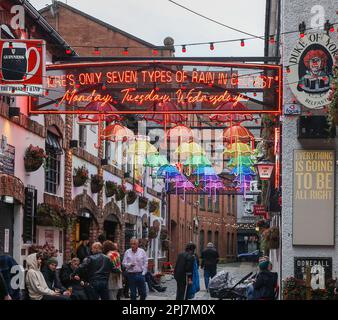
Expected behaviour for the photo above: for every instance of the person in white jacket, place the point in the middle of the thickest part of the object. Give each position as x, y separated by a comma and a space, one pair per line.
36, 283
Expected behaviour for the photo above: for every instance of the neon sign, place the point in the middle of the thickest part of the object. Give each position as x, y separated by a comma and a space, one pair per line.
140, 86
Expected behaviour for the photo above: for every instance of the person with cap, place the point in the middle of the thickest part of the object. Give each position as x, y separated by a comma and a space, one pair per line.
210, 259
266, 281
35, 282
83, 250
183, 272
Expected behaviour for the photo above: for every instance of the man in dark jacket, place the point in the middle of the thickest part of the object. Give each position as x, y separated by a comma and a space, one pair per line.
4, 295
83, 251
68, 281
183, 271
209, 263
6, 266
97, 267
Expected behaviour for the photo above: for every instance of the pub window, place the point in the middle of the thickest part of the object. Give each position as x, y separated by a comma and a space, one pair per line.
229, 203
233, 202
217, 203
52, 167
82, 136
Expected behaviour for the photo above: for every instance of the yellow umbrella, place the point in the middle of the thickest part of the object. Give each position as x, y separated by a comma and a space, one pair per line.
238, 149
141, 148
189, 149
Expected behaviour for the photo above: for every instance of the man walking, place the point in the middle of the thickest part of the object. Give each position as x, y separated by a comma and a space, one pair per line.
135, 261
97, 268
209, 263
183, 271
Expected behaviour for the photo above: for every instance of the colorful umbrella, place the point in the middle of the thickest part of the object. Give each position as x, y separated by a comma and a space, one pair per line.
189, 149
237, 133
169, 117
231, 117
243, 170
155, 160
238, 149
240, 160
141, 148
167, 171
204, 171
197, 160
98, 107
117, 132
180, 132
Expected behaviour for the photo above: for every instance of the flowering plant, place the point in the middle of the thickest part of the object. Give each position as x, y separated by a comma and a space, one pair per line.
143, 202
111, 188
80, 176
96, 183
34, 158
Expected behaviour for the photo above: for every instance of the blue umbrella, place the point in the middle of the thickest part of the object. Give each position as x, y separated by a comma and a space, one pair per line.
168, 172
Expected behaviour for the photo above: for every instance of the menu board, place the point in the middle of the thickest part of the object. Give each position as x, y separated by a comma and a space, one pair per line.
7, 159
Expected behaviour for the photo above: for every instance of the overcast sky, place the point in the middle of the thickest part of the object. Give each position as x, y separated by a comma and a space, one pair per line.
153, 20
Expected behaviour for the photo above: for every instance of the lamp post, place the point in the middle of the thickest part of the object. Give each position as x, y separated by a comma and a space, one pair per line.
264, 169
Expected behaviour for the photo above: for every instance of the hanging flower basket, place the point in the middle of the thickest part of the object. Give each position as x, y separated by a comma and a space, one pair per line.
271, 238
131, 197
152, 233
165, 245
262, 224
143, 243
142, 202
96, 183
294, 289
34, 158
80, 177
120, 193
153, 205
48, 215
111, 188
164, 234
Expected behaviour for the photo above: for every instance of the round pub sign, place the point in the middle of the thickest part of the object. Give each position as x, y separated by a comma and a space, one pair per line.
310, 69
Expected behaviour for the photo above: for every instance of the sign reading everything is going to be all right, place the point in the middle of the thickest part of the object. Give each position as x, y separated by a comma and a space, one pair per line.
313, 197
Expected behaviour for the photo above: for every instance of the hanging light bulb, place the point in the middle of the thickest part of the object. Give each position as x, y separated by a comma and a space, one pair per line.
212, 47
242, 43
125, 51
184, 49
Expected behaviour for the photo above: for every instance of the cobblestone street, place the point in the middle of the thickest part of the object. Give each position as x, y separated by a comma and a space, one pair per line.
237, 269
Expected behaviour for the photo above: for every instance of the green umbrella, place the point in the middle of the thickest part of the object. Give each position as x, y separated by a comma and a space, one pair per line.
240, 160
197, 160
155, 160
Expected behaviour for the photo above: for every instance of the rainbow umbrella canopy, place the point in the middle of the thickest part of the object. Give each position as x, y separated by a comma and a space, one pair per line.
117, 132
231, 117
96, 106
170, 116
167, 171
240, 160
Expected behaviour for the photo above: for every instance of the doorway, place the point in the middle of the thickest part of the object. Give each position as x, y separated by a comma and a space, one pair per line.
6, 228
110, 226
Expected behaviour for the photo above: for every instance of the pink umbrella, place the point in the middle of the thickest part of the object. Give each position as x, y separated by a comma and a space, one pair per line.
231, 117
168, 117
94, 118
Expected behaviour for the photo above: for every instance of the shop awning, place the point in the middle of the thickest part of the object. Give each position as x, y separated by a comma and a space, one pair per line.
53, 144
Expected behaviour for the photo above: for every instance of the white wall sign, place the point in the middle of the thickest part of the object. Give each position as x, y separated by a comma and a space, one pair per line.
310, 65
6, 242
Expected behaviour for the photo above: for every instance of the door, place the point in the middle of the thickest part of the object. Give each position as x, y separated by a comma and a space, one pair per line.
6, 228
109, 229
54, 238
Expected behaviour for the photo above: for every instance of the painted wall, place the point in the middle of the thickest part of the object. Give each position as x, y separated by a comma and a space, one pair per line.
293, 13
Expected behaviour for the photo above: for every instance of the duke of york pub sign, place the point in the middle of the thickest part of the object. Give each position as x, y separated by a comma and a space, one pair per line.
310, 75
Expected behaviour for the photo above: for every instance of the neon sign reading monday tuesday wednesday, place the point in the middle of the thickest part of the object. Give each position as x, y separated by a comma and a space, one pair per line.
139, 86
